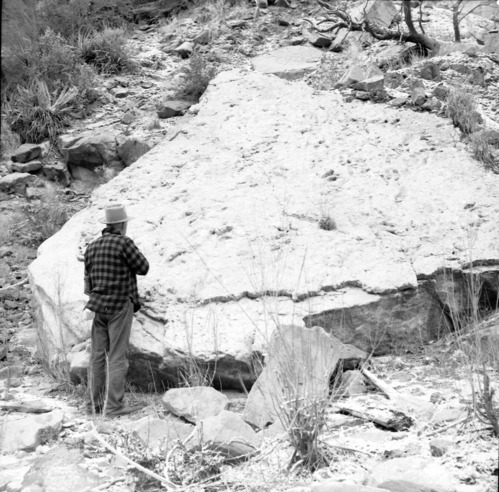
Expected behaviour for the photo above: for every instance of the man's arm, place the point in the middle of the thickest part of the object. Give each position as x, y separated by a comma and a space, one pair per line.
87, 284
135, 259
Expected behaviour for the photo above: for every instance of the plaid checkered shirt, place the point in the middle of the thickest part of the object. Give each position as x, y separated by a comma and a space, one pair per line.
111, 264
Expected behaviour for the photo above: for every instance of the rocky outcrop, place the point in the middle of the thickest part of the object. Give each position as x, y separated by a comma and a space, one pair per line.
228, 214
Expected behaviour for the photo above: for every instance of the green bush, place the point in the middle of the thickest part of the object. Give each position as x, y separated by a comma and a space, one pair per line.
68, 18
461, 109
484, 152
37, 115
107, 50
51, 60
198, 73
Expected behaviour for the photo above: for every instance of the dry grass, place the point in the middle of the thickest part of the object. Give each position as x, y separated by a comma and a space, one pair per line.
462, 110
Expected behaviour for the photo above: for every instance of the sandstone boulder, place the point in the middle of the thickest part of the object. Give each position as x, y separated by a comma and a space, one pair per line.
56, 171
335, 486
88, 149
230, 225
61, 469
27, 167
227, 433
171, 109
16, 183
416, 472
298, 367
381, 12
358, 74
27, 432
290, 62
26, 152
132, 149
161, 433
492, 42
195, 403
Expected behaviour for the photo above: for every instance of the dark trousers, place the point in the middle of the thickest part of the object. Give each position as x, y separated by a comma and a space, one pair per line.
110, 337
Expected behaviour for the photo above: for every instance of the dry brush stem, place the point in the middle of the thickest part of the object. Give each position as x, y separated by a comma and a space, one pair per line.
379, 32
166, 483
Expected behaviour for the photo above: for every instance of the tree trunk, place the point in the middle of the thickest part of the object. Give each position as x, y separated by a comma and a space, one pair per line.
455, 21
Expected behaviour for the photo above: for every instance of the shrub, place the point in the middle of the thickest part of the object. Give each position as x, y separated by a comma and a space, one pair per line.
198, 74
461, 109
51, 60
484, 152
327, 223
68, 18
107, 50
37, 115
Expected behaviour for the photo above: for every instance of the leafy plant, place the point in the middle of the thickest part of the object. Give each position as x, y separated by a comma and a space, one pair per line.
484, 152
36, 114
198, 74
327, 223
462, 110
107, 50
68, 18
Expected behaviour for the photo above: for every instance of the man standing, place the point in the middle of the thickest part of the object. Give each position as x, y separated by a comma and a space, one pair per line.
111, 264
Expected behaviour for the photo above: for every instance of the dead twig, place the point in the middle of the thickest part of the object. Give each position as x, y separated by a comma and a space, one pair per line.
13, 286
166, 483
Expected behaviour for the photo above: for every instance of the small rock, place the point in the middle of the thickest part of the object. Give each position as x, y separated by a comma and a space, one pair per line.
370, 84
128, 118
3, 351
398, 101
228, 434
362, 95
441, 92
335, 486
317, 39
132, 149
284, 20
26, 152
11, 372
430, 71
418, 96
203, 38
416, 472
439, 447
16, 183
57, 172
443, 415
28, 432
195, 403
121, 93
27, 167
11, 293
352, 384
161, 432
171, 109
184, 50
404, 486
432, 104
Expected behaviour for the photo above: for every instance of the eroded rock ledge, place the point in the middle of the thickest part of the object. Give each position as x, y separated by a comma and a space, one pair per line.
228, 214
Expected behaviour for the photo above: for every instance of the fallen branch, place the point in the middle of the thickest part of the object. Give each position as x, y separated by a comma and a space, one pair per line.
405, 403
166, 483
13, 286
19, 407
398, 422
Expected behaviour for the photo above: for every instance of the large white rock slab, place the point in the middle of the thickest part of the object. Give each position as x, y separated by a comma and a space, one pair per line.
228, 215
